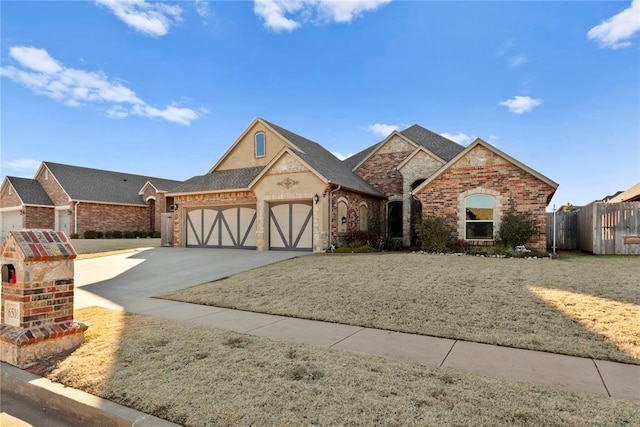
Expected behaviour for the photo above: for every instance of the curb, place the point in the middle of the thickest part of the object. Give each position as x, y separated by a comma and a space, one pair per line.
87, 407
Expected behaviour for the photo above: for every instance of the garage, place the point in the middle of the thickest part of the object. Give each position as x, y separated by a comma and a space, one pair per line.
291, 226
221, 227
11, 221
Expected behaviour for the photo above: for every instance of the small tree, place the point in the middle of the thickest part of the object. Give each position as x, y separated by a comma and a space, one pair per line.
516, 229
435, 234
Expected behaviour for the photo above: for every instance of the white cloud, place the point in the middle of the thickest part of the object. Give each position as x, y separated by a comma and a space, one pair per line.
22, 165
153, 19
616, 31
202, 8
494, 137
460, 138
46, 76
382, 129
516, 61
288, 15
521, 104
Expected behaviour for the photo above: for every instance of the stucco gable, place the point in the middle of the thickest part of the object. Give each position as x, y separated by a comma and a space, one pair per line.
241, 154
482, 154
285, 163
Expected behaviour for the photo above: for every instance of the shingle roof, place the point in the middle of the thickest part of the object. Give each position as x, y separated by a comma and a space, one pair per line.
218, 180
437, 144
30, 191
98, 185
326, 163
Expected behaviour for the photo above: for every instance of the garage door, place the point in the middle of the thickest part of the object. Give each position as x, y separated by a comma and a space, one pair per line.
222, 227
291, 226
11, 221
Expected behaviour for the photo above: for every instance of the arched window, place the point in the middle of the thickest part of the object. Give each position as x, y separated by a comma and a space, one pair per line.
260, 144
342, 216
479, 221
364, 217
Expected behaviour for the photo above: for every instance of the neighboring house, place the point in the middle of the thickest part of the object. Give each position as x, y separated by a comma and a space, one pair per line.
630, 195
274, 189
75, 199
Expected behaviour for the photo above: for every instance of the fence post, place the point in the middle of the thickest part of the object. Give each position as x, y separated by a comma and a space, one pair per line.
554, 229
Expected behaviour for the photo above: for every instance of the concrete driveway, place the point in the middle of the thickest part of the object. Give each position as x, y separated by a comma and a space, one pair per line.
128, 280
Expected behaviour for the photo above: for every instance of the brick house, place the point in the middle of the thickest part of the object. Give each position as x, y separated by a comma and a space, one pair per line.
75, 199
274, 189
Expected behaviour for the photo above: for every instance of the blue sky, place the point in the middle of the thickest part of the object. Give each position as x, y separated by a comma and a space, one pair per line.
164, 88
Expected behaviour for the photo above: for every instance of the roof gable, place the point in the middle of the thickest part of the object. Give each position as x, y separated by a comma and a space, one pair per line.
241, 153
379, 147
415, 153
279, 161
29, 191
471, 147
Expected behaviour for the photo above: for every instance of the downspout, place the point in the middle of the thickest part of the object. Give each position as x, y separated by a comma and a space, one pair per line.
330, 215
75, 218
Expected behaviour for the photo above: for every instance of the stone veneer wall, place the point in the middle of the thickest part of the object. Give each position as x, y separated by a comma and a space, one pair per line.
375, 213
39, 217
203, 200
482, 171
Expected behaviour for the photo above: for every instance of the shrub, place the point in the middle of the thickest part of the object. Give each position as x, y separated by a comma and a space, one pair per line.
435, 234
129, 235
90, 234
74, 236
99, 234
108, 234
516, 229
117, 234
155, 235
355, 250
357, 238
142, 234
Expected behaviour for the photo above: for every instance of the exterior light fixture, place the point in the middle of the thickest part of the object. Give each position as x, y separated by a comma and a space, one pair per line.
344, 220
316, 198
21, 211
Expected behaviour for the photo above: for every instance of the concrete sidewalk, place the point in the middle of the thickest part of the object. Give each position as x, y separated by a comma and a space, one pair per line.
599, 377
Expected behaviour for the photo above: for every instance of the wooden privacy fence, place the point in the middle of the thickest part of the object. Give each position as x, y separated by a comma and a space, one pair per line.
600, 228
566, 230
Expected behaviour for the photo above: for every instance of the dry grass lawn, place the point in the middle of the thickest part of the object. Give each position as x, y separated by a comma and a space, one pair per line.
199, 376
577, 305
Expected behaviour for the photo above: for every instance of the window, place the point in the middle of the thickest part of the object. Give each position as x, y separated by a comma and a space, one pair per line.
364, 220
342, 216
479, 217
260, 145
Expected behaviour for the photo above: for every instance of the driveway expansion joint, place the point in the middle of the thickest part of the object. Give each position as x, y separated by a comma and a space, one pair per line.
601, 378
448, 353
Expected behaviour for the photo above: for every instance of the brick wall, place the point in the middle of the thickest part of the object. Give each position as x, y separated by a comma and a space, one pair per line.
380, 171
9, 198
202, 200
38, 217
52, 188
103, 217
483, 170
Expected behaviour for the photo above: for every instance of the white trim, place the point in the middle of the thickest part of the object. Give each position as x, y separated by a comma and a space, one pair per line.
12, 208
462, 213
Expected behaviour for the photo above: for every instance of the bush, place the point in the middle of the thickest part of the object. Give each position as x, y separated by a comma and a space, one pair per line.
90, 234
74, 236
516, 229
117, 234
99, 234
435, 234
357, 238
129, 235
155, 234
143, 234
355, 250
108, 234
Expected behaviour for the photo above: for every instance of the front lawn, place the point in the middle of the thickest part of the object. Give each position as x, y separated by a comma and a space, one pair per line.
577, 305
199, 376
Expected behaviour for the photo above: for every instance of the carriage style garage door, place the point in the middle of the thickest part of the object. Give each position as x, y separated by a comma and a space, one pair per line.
291, 226
222, 227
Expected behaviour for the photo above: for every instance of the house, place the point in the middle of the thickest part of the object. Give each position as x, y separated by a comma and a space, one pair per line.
276, 190
630, 195
76, 199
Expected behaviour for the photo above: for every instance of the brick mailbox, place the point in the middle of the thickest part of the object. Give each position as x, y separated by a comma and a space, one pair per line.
37, 297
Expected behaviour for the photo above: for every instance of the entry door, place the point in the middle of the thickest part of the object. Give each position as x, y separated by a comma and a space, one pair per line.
222, 227
291, 226
63, 221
